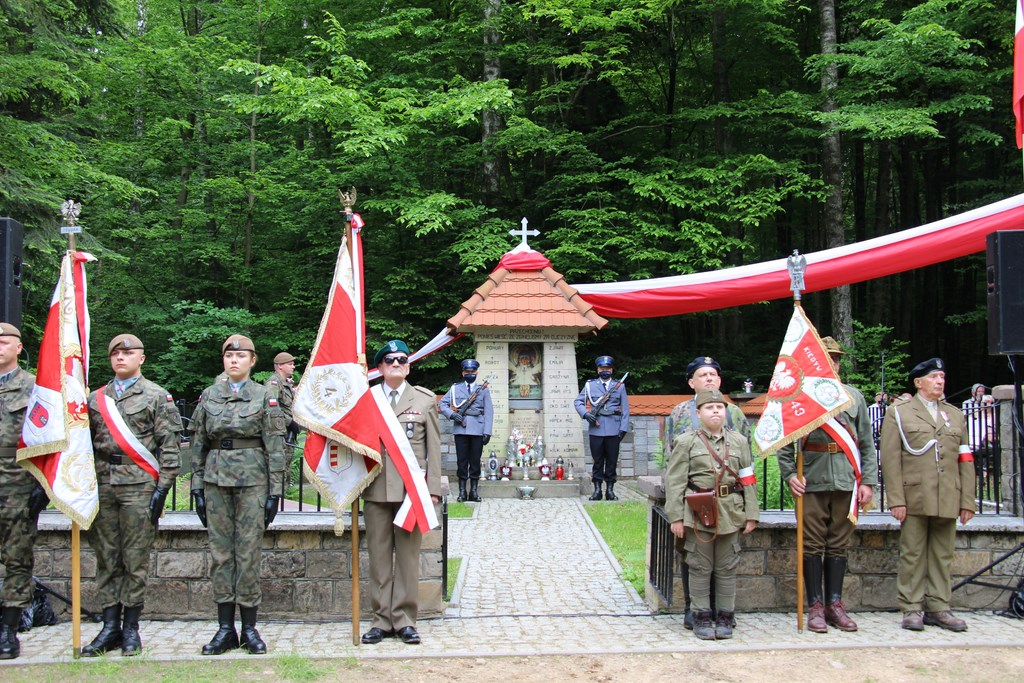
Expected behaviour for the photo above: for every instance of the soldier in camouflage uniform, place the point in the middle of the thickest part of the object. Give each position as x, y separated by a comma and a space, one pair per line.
703, 372
135, 427
236, 483
282, 387
21, 497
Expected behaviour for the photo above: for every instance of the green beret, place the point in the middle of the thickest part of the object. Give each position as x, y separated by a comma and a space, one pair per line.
709, 396
393, 346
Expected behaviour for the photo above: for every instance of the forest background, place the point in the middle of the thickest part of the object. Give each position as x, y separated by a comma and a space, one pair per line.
207, 142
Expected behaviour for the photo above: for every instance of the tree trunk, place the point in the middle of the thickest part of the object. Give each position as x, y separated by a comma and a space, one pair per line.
832, 173
490, 121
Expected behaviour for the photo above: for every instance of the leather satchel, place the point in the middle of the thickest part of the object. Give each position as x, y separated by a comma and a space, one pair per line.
704, 506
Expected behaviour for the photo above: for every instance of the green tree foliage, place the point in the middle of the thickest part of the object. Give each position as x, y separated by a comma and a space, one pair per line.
207, 142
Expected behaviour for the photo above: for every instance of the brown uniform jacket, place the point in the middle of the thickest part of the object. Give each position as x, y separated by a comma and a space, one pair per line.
934, 483
417, 413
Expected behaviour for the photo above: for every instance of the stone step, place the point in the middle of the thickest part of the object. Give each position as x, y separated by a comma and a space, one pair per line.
542, 489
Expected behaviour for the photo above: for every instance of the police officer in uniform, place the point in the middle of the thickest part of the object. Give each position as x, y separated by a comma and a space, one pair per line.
929, 482
827, 486
393, 552
21, 497
703, 372
135, 434
236, 484
472, 427
712, 458
607, 428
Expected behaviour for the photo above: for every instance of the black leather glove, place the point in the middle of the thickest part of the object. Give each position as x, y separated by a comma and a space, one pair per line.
270, 510
37, 501
199, 497
459, 418
487, 437
156, 503
591, 418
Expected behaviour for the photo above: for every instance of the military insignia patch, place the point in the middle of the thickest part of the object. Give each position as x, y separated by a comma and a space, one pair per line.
273, 402
170, 399
709, 360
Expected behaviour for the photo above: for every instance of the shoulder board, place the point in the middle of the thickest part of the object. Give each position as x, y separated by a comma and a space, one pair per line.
424, 390
273, 402
901, 401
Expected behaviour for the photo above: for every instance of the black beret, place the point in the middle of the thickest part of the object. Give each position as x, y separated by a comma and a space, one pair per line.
927, 366
702, 362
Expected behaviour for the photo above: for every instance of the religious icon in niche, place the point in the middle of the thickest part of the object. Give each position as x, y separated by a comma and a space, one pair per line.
525, 371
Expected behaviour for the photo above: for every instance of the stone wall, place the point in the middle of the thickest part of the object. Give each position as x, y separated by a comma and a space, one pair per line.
306, 568
766, 577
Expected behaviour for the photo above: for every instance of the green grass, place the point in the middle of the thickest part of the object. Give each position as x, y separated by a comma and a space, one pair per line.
454, 563
624, 528
460, 510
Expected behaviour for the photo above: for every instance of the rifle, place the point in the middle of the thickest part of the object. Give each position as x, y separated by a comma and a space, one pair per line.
461, 410
599, 406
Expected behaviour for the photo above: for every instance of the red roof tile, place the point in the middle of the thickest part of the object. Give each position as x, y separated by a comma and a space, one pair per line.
662, 404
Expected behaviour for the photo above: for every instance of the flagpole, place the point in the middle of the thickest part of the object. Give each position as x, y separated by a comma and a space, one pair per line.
348, 199
797, 265
70, 210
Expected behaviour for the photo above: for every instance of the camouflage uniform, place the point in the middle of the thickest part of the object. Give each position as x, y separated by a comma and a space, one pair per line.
283, 389
239, 440
17, 528
683, 418
122, 534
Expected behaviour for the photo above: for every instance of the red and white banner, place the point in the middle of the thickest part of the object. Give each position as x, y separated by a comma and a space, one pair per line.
124, 437
347, 425
55, 444
804, 392
842, 436
906, 250
1018, 73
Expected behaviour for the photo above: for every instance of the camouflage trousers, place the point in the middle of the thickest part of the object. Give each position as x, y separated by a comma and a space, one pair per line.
17, 536
235, 518
122, 537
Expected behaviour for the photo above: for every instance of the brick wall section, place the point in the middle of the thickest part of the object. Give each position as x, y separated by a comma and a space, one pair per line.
766, 577
305, 568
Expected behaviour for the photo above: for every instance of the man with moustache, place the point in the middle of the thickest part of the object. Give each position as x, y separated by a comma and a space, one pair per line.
929, 477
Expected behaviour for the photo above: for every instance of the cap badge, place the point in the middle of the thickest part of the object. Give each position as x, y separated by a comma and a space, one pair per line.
709, 359
393, 345
938, 363
235, 344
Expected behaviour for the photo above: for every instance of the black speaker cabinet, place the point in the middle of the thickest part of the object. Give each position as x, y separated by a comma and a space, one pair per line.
11, 236
1005, 275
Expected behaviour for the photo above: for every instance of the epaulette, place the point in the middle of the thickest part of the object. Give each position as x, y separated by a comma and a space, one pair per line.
901, 401
424, 390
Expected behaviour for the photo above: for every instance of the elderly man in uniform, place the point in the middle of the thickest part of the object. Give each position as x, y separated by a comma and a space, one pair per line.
21, 497
929, 478
608, 426
831, 487
702, 373
395, 553
135, 427
468, 405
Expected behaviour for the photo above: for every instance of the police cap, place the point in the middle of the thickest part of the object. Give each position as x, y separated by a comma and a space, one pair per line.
470, 364
605, 361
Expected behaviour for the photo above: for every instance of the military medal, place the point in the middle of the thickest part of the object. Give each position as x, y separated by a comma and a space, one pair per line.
945, 417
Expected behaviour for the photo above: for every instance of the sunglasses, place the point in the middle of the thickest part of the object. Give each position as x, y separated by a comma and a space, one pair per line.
391, 360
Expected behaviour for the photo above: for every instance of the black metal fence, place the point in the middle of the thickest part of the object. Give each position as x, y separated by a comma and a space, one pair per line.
663, 554
984, 436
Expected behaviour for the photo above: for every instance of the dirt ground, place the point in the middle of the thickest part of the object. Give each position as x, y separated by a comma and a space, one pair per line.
834, 666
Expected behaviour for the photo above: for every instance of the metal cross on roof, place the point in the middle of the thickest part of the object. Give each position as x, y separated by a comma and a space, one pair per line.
523, 232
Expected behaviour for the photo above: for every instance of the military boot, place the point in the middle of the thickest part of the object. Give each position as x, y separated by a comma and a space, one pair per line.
724, 624
10, 648
687, 612
610, 494
226, 637
462, 491
474, 493
251, 640
596, 495
109, 637
704, 625
131, 641
812, 582
835, 611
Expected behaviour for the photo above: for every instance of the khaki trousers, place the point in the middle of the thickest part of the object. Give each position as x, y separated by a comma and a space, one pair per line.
719, 557
394, 556
926, 553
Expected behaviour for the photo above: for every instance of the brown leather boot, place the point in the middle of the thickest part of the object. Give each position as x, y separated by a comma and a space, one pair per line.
816, 618
835, 615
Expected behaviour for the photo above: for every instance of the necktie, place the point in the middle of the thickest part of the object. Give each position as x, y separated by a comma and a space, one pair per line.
394, 397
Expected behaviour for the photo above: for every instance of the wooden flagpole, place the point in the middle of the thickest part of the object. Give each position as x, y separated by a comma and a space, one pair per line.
348, 200
70, 210
797, 264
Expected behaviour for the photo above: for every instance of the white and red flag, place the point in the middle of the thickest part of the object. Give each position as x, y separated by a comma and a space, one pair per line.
55, 444
348, 424
804, 393
1018, 73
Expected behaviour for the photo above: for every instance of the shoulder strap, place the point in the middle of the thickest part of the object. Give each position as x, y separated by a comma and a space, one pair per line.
714, 454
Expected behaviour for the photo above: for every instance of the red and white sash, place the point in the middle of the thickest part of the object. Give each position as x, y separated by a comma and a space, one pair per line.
842, 436
417, 504
123, 435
